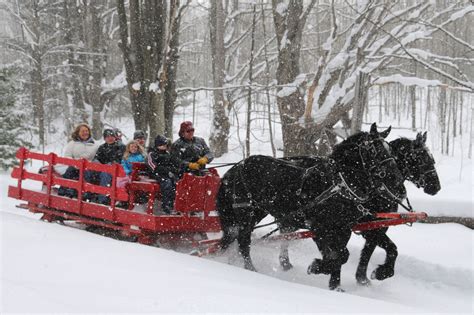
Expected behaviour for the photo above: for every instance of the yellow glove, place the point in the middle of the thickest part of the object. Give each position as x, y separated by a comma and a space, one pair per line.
193, 166
203, 161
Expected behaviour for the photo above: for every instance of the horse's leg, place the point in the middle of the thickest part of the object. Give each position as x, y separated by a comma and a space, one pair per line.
227, 217
244, 239
228, 237
334, 251
341, 258
371, 241
386, 270
284, 257
250, 219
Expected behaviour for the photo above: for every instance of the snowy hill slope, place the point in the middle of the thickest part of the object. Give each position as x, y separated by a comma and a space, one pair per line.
60, 269
52, 268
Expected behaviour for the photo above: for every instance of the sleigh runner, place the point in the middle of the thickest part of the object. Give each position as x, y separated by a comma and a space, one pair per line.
195, 208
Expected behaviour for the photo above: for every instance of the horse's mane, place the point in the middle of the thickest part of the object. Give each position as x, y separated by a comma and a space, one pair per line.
349, 141
409, 143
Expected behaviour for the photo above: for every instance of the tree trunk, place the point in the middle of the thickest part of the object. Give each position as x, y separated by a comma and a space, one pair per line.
289, 29
267, 79
37, 80
220, 122
157, 117
37, 96
96, 73
150, 57
171, 66
249, 95
359, 102
74, 88
413, 106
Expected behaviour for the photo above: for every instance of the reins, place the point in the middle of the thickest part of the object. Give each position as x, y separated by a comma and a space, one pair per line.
221, 164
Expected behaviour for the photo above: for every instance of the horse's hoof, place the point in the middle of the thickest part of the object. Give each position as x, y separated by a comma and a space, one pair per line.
285, 263
361, 277
287, 266
337, 289
315, 267
382, 272
363, 282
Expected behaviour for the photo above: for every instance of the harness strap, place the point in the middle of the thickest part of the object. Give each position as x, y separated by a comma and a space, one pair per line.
269, 233
409, 208
352, 194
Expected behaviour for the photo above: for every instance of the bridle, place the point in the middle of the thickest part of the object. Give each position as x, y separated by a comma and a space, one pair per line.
376, 169
411, 158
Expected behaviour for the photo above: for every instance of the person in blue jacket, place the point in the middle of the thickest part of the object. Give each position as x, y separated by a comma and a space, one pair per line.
134, 152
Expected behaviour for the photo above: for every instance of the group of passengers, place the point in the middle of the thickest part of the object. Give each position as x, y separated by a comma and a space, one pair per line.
166, 163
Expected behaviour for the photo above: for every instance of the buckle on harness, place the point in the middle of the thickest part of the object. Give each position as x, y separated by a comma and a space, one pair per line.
363, 209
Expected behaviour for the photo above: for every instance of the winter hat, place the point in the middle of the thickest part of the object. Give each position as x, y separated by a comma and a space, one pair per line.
185, 125
139, 134
109, 132
160, 140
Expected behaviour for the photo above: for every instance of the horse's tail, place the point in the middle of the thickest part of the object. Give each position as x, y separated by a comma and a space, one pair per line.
224, 203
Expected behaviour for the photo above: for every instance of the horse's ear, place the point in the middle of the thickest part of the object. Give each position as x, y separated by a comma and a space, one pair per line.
385, 133
425, 135
373, 129
419, 139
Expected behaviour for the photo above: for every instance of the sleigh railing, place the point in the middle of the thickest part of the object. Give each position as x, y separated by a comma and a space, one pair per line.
49, 180
200, 218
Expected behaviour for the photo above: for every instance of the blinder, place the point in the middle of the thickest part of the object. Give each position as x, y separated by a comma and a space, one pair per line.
377, 169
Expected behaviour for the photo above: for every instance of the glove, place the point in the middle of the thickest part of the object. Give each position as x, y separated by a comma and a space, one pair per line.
203, 161
193, 166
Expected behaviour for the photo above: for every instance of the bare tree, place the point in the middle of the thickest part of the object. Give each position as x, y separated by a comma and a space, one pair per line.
37, 43
380, 34
150, 51
289, 19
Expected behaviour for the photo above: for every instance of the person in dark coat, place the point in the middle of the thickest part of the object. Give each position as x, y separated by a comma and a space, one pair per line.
166, 169
140, 137
108, 153
192, 150
112, 150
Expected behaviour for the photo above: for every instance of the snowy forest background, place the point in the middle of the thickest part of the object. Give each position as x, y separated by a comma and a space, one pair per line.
301, 72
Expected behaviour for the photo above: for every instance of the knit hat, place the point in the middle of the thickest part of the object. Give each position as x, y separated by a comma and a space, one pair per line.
109, 132
160, 140
185, 125
139, 134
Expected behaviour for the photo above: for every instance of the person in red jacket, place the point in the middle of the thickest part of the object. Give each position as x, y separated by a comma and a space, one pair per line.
192, 150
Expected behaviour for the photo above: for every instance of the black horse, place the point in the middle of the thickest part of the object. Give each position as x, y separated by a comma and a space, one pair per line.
319, 198
417, 165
